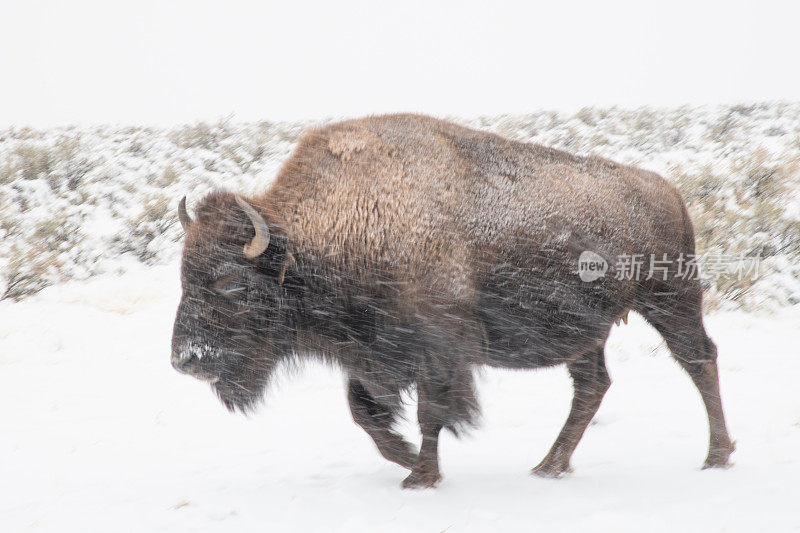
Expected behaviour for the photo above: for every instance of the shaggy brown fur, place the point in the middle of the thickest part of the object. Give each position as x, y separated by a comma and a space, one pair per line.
407, 249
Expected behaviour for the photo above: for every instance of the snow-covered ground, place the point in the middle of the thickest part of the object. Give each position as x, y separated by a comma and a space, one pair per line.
100, 434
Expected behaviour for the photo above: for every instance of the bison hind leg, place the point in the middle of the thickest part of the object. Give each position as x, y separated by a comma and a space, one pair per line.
590, 382
677, 316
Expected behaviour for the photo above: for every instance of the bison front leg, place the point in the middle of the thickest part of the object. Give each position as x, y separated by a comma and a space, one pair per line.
377, 419
431, 414
590, 382
446, 399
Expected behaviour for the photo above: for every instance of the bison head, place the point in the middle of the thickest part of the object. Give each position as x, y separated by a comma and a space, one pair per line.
233, 324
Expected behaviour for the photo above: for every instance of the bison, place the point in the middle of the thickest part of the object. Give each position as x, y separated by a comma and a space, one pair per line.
407, 250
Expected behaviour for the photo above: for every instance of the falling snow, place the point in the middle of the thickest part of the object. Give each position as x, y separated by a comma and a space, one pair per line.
100, 433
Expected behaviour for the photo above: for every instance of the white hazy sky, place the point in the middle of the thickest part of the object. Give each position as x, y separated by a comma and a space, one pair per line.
167, 62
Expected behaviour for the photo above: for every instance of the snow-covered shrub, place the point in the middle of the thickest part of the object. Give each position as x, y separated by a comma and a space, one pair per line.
748, 211
76, 201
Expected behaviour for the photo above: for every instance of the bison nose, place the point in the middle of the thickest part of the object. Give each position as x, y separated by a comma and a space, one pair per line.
180, 362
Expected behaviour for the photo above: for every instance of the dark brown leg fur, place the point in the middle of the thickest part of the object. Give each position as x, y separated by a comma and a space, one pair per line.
590, 382
678, 318
376, 419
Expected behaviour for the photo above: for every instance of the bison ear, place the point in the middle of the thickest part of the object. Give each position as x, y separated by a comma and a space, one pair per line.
287, 262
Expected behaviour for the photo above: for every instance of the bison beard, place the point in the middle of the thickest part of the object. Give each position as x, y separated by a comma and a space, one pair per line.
407, 250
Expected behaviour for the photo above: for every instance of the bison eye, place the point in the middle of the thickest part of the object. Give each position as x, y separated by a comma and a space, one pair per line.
227, 285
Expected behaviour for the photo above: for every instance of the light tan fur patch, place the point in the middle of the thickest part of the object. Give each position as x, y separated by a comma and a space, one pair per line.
344, 144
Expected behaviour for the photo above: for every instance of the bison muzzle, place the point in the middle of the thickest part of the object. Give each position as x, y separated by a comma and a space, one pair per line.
407, 250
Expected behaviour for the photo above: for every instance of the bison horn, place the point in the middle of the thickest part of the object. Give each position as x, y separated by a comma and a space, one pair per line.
183, 215
260, 242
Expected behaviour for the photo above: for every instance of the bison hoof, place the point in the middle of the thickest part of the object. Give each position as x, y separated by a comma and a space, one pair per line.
422, 480
546, 470
716, 464
718, 457
717, 461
